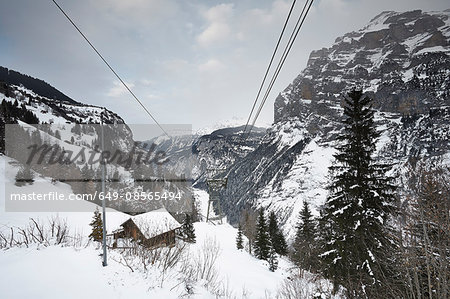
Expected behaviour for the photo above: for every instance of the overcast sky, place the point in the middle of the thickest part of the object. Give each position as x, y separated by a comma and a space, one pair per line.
193, 61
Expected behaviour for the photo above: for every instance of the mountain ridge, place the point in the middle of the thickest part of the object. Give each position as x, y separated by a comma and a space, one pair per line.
39, 86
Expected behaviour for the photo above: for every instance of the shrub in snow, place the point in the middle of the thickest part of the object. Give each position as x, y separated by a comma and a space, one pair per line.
24, 176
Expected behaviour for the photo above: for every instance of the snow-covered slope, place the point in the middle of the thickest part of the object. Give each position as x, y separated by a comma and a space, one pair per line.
55, 111
75, 271
78, 272
74, 127
77, 214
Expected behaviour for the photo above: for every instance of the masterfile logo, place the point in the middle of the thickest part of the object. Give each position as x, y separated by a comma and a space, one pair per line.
58, 167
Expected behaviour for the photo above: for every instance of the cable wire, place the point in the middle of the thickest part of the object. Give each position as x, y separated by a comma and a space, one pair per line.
283, 58
270, 64
109, 66
287, 49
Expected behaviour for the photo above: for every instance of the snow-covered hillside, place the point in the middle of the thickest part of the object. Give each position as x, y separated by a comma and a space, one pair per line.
75, 270
55, 111
74, 128
78, 222
78, 272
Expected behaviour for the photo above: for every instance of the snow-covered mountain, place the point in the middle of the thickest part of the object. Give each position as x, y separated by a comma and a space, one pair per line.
56, 109
72, 126
402, 61
399, 59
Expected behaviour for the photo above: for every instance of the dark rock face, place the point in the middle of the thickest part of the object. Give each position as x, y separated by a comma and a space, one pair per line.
402, 61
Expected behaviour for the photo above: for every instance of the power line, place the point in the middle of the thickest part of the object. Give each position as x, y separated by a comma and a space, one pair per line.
270, 64
109, 66
283, 57
287, 49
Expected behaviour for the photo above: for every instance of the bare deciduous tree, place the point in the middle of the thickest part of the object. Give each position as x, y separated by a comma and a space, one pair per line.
426, 250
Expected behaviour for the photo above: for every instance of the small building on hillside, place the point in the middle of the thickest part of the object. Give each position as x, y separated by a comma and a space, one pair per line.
151, 229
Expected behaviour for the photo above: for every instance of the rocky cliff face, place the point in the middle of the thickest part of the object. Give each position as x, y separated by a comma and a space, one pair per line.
401, 60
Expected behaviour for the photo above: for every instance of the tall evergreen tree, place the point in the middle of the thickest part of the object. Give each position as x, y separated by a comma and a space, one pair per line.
239, 239
97, 226
262, 238
356, 246
272, 257
276, 235
305, 251
187, 229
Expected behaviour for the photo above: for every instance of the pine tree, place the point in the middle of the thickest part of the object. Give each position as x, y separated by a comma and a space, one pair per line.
188, 229
239, 239
262, 238
276, 235
97, 226
76, 129
356, 249
305, 254
272, 257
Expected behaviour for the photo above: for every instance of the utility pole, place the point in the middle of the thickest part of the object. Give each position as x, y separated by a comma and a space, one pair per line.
103, 165
214, 187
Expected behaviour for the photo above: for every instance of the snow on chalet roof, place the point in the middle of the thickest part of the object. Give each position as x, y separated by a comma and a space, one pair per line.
155, 222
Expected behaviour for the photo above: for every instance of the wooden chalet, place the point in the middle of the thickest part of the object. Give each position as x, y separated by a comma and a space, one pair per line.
152, 229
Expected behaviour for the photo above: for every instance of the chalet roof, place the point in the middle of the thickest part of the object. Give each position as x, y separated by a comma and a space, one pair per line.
154, 223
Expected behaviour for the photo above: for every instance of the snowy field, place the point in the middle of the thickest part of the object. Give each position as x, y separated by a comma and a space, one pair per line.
55, 272
74, 269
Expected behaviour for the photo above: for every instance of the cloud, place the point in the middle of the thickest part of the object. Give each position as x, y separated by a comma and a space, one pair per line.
219, 28
212, 65
153, 97
118, 89
269, 16
146, 82
259, 26
219, 13
144, 12
175, 65
215, 32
